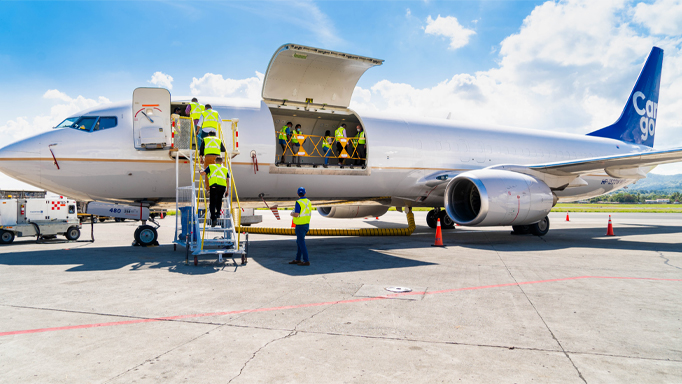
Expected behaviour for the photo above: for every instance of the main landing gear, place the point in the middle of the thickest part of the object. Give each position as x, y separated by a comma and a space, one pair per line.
437, 213
538, 229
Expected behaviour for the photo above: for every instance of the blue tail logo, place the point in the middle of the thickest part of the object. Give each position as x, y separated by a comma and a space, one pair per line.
637, 123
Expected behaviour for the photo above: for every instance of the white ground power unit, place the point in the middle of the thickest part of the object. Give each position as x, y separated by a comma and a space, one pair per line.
43, 218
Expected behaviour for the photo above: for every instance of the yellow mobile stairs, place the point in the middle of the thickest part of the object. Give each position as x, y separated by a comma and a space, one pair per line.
192, 226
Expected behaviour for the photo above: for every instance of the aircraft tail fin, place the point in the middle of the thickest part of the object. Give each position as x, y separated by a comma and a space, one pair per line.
637, 123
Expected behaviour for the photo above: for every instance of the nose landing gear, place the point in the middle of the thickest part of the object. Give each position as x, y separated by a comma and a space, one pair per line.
146, 235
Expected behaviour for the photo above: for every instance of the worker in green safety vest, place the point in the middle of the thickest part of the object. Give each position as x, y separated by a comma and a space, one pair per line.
211, 148
218, 179
194, 110
361, 148
209, 121
284, 137
339, 134
327, 141
301, 215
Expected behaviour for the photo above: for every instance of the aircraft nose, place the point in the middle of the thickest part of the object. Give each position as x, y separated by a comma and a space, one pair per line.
20, 160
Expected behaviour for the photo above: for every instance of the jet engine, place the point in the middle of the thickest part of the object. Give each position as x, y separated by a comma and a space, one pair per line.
490, 197
352, 211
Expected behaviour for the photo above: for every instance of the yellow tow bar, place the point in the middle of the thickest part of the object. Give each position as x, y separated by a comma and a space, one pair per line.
340, 232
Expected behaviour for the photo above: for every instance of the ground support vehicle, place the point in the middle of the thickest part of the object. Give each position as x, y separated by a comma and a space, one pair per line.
43, 218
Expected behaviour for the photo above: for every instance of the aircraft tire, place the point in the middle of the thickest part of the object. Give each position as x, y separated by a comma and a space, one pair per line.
431, 219
73, 233
445, 221
146, 235
6, 237
520, 229
540, 228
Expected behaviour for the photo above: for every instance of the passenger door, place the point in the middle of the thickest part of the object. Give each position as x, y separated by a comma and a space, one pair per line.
151, 118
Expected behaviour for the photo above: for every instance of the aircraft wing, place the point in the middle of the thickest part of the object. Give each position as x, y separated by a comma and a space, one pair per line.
616, 166
561, 175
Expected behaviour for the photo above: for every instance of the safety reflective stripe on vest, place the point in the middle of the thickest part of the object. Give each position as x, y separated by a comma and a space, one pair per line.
294, 138
304, 216
339, 132
211, 146
361, 137
283, 133
325, 143
210, 119
217, 175
195, 110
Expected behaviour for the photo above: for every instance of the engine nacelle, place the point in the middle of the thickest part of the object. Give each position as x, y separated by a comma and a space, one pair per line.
352, 211
490, 197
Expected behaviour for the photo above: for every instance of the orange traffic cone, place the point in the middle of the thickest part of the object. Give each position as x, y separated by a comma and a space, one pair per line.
439, 236
567, 216
609, 229
292, 224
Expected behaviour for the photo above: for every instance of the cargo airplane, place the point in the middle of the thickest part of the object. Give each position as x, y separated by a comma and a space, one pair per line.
472, 175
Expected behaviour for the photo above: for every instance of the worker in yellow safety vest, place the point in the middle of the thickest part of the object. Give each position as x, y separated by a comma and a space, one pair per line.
218, 179
361, 148
327, 141
209, 121
295, 145
211, 148
301, 215
284, 137
194, 110
339, 134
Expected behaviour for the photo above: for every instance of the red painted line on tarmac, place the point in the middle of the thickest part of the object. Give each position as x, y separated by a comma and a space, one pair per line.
365, 299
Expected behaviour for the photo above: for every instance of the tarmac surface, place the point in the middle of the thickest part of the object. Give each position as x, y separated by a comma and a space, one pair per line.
571, 307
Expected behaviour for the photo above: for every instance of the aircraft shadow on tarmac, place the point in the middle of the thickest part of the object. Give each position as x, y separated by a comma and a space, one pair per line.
338, 254
328, 256
563, 238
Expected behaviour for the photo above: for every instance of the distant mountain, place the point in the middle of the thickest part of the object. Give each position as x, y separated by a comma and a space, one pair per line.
662, 183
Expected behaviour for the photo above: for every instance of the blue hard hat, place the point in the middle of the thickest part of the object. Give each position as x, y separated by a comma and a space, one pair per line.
301, 191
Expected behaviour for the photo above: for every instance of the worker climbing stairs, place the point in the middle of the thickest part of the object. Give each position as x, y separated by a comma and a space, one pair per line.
194, 230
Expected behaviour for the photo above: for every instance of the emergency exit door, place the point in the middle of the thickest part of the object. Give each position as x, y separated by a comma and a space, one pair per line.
151, 118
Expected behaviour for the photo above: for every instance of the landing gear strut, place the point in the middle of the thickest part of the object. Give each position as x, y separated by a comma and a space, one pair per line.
437, 213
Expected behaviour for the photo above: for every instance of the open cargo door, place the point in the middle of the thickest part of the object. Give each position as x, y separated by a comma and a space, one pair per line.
151, 118
299, 75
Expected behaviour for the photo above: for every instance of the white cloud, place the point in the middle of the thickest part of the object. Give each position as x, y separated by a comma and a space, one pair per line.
162, 80
569, 67
450, 28
662, 17
24, 126
408, 13
215, 85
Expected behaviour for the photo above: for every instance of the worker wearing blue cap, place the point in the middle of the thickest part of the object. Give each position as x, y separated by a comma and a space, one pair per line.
301, 215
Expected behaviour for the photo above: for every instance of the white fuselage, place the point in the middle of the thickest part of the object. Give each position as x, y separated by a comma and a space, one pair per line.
104, 165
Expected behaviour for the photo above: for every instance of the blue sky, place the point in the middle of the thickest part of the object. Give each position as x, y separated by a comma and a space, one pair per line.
565, 66
93, 47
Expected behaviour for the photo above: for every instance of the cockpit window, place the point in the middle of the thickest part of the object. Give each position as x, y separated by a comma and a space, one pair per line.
85, 123
67, 123
89, 123
106, 122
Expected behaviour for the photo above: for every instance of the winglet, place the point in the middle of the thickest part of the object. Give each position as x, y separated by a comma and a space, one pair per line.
637, 123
